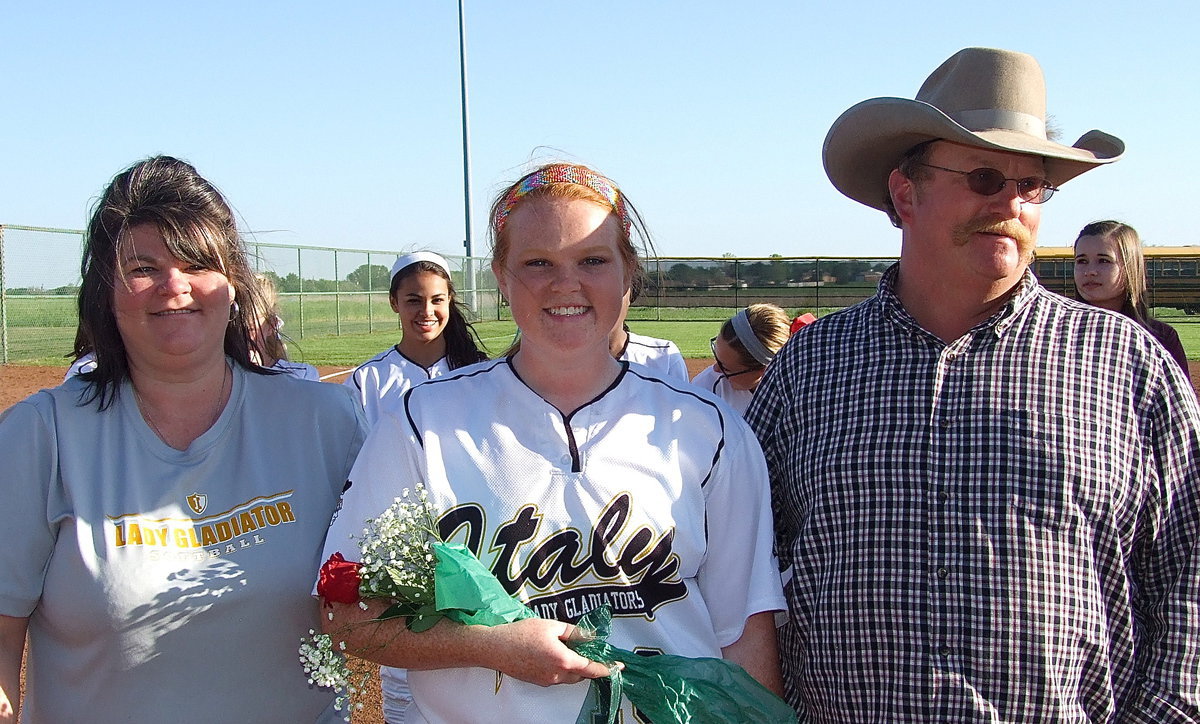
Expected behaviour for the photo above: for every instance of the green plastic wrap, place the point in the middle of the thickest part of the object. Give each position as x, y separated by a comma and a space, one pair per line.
669, 688
665, 688
467, 592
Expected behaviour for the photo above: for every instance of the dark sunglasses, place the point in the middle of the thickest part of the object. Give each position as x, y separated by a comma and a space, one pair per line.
712, 344
989, 182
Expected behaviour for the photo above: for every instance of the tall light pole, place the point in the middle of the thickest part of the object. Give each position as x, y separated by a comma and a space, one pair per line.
469, 270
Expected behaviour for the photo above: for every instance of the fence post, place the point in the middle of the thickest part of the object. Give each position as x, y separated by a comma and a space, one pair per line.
737, 286
817, 286
658, 290
300, 276
3, 304
337, 296
370, 288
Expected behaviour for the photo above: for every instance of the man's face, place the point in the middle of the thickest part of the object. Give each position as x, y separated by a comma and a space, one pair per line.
968, 237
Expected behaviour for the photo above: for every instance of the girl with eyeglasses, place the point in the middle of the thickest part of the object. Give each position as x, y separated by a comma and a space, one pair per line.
747, 343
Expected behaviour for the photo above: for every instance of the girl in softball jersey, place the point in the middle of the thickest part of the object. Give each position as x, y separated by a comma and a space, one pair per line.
435, 338
435, 335
577, 478
269, 348
746, 344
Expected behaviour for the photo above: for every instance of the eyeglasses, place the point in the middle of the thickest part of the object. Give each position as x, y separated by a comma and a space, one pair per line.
712, 344
989, 182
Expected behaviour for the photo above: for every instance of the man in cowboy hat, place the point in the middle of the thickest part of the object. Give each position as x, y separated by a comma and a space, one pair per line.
987, 493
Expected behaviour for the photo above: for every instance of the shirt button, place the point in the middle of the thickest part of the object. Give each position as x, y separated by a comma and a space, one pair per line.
945, 422
943, 573
943, 650
566, 460
943, 496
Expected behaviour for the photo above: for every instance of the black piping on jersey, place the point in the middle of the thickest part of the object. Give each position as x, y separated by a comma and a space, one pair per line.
681, 390
629, 338
572, 446
394, 349
408, 411
720, 446
576, 464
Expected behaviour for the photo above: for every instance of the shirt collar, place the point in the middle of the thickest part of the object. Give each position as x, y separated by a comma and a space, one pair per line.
1027, 289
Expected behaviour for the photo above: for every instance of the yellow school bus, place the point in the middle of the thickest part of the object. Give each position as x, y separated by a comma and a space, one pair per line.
1172, 274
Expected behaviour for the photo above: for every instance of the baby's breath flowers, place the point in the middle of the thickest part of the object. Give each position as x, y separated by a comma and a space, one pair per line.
398, 562
327, 668
397, 565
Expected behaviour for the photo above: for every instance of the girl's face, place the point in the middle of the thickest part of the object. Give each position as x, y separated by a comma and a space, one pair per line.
564, 275
1099, 276
731, 365
423, 302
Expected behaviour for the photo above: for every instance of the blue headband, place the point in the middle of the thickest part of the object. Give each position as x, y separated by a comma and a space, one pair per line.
745, 334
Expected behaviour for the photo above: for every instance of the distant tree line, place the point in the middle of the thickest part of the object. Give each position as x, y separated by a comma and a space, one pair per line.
367, 277
698, 274
67, 290
772, 273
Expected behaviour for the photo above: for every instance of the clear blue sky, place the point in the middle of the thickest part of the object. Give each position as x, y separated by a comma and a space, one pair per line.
338, 123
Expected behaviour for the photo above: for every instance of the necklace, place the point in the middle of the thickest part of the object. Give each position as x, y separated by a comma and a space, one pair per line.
145, 409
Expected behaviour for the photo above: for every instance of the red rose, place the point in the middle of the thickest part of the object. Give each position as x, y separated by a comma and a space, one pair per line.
339, 580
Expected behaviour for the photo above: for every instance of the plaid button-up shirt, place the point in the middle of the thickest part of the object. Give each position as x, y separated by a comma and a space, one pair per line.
1002, 528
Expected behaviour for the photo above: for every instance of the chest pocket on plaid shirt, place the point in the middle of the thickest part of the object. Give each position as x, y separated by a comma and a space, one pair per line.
1052, 470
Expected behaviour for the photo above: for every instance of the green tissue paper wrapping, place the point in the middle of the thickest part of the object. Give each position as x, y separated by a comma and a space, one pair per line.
665, 688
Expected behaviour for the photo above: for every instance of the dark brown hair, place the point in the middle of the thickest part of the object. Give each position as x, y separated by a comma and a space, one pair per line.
197, 226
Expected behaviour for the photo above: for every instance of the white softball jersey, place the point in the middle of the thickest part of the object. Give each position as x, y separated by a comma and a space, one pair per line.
388, 375
652, 498
711, 380
661, 355
380, 382
86, 363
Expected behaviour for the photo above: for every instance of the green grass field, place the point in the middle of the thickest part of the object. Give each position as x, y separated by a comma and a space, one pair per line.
692, 338
355, 327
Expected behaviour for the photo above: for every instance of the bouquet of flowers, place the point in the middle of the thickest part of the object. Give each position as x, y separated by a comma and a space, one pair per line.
425, 579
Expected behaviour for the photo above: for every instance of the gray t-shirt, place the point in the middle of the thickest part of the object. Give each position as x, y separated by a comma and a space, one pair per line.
171, 584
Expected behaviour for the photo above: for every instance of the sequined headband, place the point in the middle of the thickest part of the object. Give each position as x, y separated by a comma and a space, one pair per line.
564, 174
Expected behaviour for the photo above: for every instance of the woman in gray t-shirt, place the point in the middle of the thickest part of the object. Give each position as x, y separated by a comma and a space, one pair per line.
165, 511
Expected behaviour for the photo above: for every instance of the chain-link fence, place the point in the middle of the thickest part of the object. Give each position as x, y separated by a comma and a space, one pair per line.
322, 291
713, 289
327, 291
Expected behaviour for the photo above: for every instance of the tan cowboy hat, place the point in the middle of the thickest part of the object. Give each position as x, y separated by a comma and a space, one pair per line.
983, 97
